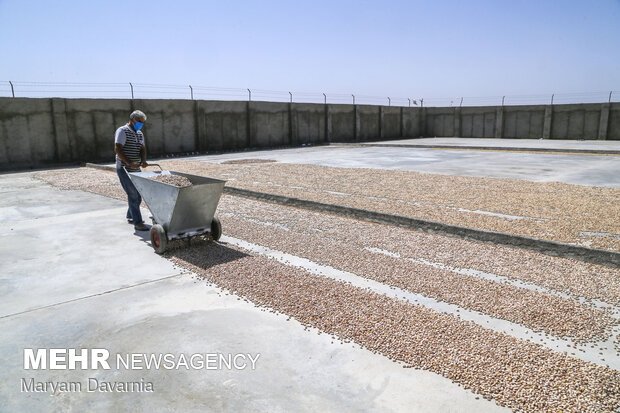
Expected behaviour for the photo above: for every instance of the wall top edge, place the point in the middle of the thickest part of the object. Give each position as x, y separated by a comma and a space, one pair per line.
443, 108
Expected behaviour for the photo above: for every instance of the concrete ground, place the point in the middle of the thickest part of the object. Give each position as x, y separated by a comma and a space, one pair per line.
536, 144
578, 169
73, 274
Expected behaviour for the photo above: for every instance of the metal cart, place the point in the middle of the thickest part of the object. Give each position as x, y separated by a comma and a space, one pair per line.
179, 212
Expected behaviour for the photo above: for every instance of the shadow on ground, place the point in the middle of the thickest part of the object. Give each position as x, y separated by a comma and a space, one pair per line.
203, 253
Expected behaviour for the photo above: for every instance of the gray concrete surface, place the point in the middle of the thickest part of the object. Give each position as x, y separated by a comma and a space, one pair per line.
575, 169
536, 144
74, 275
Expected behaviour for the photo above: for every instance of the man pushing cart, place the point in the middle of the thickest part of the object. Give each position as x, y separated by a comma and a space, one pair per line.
179, 212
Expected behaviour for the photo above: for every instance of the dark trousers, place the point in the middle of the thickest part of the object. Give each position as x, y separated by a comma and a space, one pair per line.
133, 197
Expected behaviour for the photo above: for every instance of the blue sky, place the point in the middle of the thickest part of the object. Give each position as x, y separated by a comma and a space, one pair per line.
387, 48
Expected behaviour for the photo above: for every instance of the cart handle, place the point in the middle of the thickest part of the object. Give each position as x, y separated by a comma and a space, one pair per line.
156, 164
151, 164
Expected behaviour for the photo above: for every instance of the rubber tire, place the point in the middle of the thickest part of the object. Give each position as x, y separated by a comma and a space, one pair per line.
216, 229
159, 239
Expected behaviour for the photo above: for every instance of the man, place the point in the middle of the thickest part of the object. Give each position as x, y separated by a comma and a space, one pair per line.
131, 154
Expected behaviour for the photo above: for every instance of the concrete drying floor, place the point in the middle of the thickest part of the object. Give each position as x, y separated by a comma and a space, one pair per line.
571, 168
535, 144
74, 275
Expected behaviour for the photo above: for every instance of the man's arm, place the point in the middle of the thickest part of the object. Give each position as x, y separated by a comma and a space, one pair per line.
118, 148
143, 156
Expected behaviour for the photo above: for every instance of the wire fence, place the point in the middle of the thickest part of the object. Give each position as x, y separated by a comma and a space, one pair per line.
163, 91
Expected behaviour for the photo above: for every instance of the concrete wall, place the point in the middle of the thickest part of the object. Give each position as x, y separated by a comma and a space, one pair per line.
525, 122
591, 121
575, 122
367, 127
613, 123
476, 122
222, 125
391, 122
21, 123
170, 127
439, 122
308, 123
38, 132
269, 124
342, 123
413, 122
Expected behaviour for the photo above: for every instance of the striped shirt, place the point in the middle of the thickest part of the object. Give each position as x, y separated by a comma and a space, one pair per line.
131, 141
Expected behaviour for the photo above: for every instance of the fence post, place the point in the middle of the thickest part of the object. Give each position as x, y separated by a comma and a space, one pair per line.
191, 91
461, 104
324, 98
353, 99
291, 95
13, 90
422, 102
409, 100
389, 101
552, 96
249, 95
503, 97
131, 90
609, 101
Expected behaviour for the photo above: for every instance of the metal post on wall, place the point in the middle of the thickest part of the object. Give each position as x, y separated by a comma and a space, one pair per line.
353, 99
291, 95
131, 89
249, 95
461, 104
324, 98
13, 90
552, 96
389, 101
609, 101
191, 91
409, 100
503, 97
422, 102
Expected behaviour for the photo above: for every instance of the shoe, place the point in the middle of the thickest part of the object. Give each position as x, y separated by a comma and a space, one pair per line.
141, 227
129, 221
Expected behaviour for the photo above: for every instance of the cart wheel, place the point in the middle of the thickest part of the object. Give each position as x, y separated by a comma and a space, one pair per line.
216, 229
159, 240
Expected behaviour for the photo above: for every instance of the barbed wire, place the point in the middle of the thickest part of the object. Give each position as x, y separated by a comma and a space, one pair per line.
168, 91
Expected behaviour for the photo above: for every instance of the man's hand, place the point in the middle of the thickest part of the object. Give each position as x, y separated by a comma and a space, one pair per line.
144, 164
134, 165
